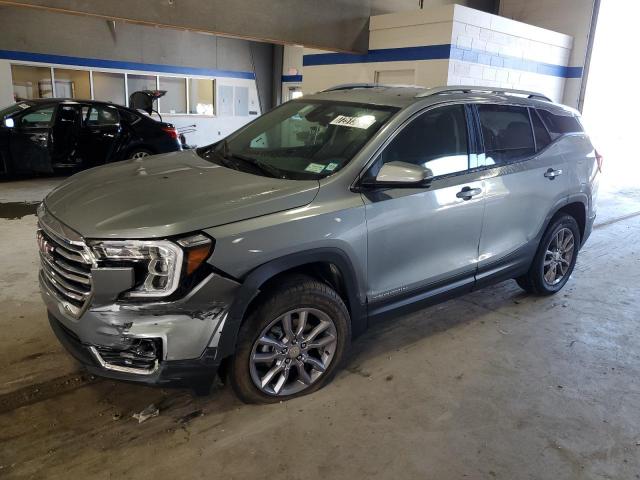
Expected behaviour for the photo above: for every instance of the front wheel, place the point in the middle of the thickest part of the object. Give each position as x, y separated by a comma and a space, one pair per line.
555, 258
291, 344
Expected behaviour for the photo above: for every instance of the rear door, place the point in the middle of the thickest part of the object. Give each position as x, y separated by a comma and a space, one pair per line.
99, 134
524, 182
424, 239
30, 140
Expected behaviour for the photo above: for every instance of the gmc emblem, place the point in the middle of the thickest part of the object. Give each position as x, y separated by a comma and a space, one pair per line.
44, 246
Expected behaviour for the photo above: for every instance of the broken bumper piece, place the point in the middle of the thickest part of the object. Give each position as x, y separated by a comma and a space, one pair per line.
154, 343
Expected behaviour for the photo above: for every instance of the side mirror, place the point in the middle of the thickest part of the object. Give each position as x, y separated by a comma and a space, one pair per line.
9, 123
402, 174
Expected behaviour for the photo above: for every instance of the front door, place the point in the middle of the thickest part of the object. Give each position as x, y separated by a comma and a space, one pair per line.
64, 136
99, 134
422, 240
29, 141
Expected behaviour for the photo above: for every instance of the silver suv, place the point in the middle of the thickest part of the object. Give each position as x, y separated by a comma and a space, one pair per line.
265, 254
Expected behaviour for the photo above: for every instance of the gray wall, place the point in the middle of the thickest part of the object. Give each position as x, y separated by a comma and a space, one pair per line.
339, 25
41, 31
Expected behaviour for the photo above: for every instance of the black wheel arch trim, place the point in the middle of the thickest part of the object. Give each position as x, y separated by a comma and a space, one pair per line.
252, 283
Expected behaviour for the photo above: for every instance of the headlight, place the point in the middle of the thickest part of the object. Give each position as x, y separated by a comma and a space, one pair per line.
159, 264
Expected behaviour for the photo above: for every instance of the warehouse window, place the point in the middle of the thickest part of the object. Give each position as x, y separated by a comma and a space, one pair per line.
109, 87
202, 96
135, 83
175, 100
31, 82
72, 83
506, 131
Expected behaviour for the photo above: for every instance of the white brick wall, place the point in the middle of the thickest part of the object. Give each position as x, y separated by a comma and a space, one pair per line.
486, 50
499, 52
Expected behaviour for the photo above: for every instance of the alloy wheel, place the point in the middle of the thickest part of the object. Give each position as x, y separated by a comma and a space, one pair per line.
293, 351
558, 256
140, 155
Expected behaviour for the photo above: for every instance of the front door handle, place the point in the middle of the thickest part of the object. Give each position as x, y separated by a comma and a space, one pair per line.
551, 173
467, 193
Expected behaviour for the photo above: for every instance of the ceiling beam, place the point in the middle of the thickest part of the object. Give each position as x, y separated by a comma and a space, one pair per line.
339, 25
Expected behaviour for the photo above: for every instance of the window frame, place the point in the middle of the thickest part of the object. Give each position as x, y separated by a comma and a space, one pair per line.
534, 111
471, 144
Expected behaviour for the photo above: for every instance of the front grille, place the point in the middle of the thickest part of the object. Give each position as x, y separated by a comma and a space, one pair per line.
66, 269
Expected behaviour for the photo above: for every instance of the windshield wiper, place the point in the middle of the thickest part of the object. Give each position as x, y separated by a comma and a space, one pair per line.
257, 164
229, 159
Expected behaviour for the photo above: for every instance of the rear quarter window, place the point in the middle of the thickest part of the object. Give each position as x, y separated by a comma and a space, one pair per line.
558, 125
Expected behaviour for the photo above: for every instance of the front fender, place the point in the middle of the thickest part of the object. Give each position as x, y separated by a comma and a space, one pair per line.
253, 282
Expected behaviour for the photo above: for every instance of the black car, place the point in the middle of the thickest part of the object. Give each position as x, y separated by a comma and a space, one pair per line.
55, 134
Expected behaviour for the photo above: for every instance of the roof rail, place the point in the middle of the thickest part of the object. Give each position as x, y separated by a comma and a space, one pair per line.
473, 89
349, 86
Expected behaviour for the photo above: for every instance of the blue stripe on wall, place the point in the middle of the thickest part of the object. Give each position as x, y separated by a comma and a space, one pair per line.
291, 78
426, 52
120, 65
443, 52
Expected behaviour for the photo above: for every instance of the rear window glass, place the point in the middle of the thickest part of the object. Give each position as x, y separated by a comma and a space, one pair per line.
542, 135
507, 134
559, 124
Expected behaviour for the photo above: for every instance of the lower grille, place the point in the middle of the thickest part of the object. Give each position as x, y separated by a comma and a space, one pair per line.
141, 357
66, 269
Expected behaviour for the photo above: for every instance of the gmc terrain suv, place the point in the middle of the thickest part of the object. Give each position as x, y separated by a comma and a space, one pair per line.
266, 253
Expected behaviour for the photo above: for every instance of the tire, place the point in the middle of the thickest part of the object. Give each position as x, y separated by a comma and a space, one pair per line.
552, 266
139, 153
295, 296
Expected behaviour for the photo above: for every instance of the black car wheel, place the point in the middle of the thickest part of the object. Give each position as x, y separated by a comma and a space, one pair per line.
291, 344
555, 258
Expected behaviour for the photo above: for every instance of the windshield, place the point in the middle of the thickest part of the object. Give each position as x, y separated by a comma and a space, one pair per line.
301, 139
11, 109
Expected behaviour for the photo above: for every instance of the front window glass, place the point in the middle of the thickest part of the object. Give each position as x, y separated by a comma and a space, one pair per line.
301, 139
37, 118
436, 140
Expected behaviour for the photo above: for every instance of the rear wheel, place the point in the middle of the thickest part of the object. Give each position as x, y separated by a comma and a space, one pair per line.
139, 153
291, 344
555, 258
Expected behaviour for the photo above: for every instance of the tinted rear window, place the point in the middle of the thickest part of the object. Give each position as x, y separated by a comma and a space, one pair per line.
506, 131
559, 124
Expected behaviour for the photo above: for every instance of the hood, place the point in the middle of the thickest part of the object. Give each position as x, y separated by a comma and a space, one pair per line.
168, 195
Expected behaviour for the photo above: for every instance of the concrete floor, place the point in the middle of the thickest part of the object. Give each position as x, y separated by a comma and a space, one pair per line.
497, 384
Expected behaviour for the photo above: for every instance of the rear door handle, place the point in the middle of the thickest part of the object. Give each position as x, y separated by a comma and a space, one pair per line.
551, 173
467, 193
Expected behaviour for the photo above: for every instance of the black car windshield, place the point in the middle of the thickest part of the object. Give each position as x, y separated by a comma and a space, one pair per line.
301, 139
11, 109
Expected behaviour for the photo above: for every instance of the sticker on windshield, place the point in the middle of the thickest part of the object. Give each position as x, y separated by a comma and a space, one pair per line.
364, 121
331, 167
23, 106
314, 167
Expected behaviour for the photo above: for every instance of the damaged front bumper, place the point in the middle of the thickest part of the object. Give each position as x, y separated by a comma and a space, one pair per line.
163, 342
